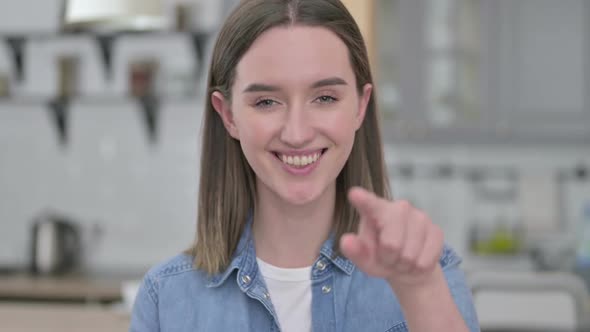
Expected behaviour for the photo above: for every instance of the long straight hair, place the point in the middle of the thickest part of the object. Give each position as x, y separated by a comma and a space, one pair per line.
227, 191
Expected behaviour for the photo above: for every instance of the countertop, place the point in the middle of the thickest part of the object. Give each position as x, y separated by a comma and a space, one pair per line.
71, 288
24, 317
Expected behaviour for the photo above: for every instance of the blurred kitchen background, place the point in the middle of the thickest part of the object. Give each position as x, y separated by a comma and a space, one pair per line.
486, 120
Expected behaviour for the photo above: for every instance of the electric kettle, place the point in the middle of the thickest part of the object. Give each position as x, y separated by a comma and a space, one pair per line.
55, 244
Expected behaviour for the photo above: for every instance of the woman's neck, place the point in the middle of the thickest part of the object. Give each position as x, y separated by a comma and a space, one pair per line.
291, 236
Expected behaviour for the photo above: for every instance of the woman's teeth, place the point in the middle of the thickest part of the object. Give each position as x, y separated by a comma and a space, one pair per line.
300, 160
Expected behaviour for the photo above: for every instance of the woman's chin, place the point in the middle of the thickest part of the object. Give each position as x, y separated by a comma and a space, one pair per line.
300, 197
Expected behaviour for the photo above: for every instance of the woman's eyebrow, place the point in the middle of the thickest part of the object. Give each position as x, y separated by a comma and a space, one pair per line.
328, 82
260, 87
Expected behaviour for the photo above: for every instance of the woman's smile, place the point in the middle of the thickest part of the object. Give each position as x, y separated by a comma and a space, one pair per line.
300, 162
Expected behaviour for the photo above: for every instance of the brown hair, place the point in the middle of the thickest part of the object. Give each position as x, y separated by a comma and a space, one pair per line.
227, 183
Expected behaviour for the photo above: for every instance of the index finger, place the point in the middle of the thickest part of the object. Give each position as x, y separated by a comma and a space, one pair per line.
367, 203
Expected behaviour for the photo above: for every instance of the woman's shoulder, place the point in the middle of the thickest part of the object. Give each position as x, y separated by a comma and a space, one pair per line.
178, 264
162, 285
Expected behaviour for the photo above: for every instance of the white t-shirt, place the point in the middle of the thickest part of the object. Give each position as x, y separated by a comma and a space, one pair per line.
290, 294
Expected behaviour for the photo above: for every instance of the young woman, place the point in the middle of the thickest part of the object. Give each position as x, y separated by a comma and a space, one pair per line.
296, 231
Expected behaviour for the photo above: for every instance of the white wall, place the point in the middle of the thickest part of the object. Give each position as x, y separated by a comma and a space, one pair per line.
142, 196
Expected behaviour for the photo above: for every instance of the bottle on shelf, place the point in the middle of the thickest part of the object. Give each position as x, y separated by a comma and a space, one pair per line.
583, 248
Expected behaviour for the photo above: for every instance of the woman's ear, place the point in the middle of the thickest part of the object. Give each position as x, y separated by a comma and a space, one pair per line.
363, 104
222, 107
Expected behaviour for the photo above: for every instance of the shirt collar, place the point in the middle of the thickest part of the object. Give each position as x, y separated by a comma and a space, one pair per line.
339, 261
244, 258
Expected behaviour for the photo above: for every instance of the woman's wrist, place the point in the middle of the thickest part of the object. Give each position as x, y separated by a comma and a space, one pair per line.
420, 288
428, 305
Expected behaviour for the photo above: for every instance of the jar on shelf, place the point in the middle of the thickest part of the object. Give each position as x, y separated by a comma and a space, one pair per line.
142, 74
183, 17
4, 85
67, 76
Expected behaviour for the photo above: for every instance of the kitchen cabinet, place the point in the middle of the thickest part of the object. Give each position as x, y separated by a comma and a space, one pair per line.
529, 301
429, 70
483, 71
538, 67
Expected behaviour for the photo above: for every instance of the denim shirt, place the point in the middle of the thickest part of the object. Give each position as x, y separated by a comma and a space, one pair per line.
175, 296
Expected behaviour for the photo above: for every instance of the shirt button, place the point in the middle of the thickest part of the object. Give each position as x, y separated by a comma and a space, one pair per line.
321, 265
266, 295
246, 279
326, 289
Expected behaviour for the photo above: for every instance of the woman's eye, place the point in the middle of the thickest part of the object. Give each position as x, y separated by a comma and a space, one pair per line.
326, 99
265, 103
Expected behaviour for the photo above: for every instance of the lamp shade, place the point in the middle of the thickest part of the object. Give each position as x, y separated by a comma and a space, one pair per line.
112, 15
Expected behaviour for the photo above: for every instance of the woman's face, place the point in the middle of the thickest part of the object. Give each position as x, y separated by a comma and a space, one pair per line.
295, 109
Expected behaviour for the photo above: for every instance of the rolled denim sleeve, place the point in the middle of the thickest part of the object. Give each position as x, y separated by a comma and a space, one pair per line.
460, 291
144, 317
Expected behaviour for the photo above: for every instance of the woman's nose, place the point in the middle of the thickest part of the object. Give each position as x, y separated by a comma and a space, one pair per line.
297, 129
